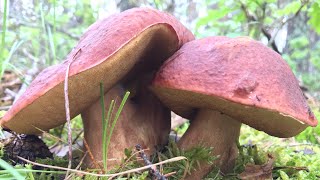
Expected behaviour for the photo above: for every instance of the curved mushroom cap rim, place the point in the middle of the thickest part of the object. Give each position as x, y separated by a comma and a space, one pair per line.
238, 70
266, 119
18, 119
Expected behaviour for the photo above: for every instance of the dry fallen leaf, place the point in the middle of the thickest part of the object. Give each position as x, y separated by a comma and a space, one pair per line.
258, 172
10, 84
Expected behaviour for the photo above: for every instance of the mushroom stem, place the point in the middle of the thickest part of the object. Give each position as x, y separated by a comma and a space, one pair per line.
143, 120
213, 129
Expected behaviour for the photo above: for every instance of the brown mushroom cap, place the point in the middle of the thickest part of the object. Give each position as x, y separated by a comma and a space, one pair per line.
239, 77
110, 51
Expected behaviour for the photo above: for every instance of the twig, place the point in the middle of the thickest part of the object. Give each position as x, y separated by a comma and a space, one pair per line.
79, 165
60, 30
28, 77
153, 170
297, 168
5, 108
271, 41
48, 135
179, 158
170, 174
10, 92
128, 160
68, 118
91, 155
265, 32
60, 130
77, 137
9, 84
301, 144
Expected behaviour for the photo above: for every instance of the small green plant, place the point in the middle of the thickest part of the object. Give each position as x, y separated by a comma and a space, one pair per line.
182, 128
106, 135
311, 134
194, 156
3, 35
10, 172
294, 159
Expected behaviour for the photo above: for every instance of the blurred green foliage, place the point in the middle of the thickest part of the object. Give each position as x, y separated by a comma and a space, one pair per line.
45, 31
311, 134
299, 40
295, 160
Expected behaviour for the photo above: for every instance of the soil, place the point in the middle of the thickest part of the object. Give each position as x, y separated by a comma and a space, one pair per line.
29, 147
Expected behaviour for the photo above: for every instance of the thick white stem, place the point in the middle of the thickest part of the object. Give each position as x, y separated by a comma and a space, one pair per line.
213, 129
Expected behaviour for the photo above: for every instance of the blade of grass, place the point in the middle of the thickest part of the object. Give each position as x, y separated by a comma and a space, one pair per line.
4, 29
17, 71
25, 170
54, 23
11, 170
125, 98
104, 129
43, 24
6, 177
54, 16
104, 142
110, 110
105, 122
30, 175
52, 46
102, 104
5, 63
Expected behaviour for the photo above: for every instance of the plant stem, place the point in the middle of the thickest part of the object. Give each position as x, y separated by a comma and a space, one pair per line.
3, 38
126, 96
105, 122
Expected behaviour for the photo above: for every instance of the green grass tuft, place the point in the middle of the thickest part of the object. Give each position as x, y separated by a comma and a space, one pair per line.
106, 135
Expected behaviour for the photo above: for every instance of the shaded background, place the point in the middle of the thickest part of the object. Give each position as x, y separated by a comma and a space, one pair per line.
41, 33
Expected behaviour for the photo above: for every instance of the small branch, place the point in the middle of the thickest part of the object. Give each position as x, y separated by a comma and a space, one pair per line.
4, 108
264, 30
179, 158
10, 92
68, 118
153, 169
79, 165
60, 30
271, 41
29, 76
91, 155
130, 159
297, 168
77, 137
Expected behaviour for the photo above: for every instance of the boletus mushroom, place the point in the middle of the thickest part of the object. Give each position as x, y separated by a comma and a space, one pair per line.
219, 83
122, 51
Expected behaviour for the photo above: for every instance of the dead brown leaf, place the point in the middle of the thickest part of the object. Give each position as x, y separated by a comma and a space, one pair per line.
258, 172
10, 84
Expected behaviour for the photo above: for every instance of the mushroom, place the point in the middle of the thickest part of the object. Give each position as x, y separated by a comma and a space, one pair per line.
219, 83
121, 51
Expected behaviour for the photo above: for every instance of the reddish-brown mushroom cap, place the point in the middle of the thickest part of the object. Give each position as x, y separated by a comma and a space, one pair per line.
239, 77
221, 82
110, 51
